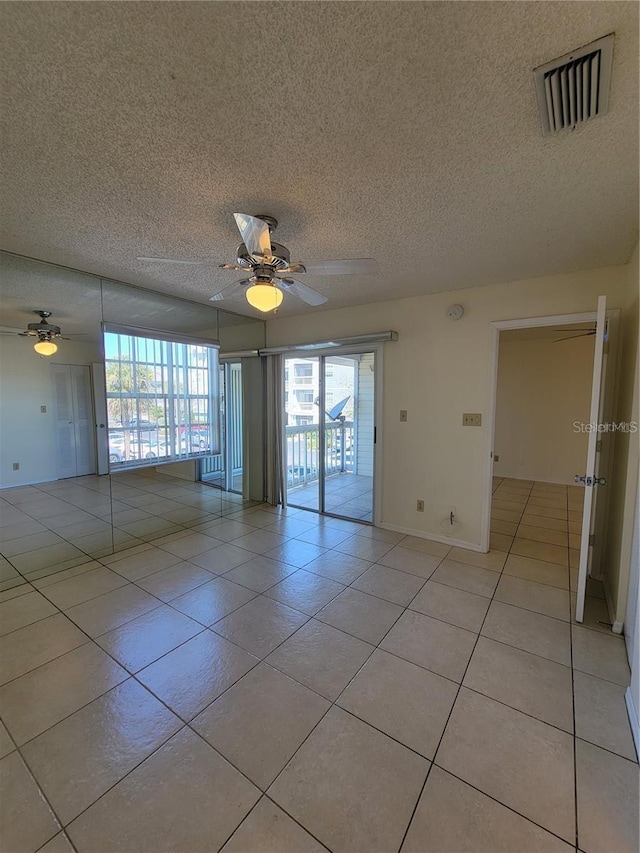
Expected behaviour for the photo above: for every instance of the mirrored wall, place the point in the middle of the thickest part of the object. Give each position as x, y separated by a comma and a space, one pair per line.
80, 481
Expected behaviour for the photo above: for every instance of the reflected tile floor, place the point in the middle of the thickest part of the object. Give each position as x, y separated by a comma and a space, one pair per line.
245, 678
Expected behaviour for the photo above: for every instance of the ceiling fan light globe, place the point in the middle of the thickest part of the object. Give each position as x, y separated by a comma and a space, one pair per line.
45, 348
264, 297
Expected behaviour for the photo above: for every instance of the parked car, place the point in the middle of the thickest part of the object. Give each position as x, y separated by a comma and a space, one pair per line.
139, 423
195, 440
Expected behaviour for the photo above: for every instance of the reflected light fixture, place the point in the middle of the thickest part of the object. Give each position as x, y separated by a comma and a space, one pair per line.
264, 297
45, 347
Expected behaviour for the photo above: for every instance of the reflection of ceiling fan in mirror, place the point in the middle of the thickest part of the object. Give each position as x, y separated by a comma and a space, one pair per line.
46, 333
270, 267
575, 333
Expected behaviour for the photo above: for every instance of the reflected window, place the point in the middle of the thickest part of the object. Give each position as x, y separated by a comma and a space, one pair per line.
163, 400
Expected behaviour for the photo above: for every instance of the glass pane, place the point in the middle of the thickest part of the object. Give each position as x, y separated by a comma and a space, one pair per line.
212, 468
349, 428
301, 395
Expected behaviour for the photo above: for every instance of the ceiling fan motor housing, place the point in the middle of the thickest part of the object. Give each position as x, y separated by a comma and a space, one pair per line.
43, 329
280, 260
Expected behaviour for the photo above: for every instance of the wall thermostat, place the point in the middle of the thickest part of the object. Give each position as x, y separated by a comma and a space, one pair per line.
455, 312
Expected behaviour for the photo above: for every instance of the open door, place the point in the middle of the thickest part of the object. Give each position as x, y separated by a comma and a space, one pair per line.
592, 480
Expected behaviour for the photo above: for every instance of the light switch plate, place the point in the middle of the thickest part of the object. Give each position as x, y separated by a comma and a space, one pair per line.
403, 416
471, 419
43, 410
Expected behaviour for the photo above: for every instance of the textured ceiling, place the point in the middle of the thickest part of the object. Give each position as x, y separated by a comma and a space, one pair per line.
403, 131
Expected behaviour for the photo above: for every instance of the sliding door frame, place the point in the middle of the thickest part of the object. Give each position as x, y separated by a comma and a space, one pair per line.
378, 355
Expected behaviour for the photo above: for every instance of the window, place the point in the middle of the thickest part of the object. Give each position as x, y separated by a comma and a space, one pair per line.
304, 396
163, 399
303, 370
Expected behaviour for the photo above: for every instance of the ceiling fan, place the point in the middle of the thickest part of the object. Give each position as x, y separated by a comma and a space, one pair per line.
575, 333
46, 333
270, 266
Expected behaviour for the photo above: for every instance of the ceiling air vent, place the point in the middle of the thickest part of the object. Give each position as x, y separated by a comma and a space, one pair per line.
575, 87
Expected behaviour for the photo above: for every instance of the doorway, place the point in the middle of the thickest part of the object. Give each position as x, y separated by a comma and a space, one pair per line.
225, 470
74, 420
330, 433
546, 456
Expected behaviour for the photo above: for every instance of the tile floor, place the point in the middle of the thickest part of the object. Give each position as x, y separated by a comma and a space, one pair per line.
275, 681
346, 494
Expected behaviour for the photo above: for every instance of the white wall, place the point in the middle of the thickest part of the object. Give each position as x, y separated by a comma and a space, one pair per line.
543, 387
437, 370
28, 436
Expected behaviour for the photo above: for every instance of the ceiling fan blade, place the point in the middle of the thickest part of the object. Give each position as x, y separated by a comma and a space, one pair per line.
255, 234
176, 261
230, 290
352, 266
235, 267
574, 337
302, 291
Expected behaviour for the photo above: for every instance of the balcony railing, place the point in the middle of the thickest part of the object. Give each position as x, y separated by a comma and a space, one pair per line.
302, 451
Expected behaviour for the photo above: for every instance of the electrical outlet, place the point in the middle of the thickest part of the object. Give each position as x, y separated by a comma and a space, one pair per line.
43, 410
496, 458
16, 466
471, 419
403, 416
419, 506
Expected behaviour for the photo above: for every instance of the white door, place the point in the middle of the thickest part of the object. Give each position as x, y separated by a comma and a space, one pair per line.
75, 436
592, 476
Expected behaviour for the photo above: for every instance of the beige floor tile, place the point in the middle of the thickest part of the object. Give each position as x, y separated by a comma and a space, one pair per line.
45, 558
506, 528
607, 788
6, 744
543, 534
260, 541
390, 584
267, 830
183, 797
174, 581
41, 698
595, 615
452, 817
526, 682
143, 640
223, 558
548, 500
260, 573
511, 515
427, 546
305, 591
469, 578
411, 561
523, 763
507, 502
143, 563
58, 844
545, 523
260, 722
190, 677
225, 531
405, 701
24, 610
68, 593
325, 537
541, 551
360, 614
538, 571
321, 657
452, 605
544, 511
601, 714
81, 757
574, 558
115, 608
339, 567
493, 560
541, 598
531, 632
600, 655
23, 544
435, 645
500, 542
33, 645
213, 601
260, 625
296, 553
323, 786
363, 548
189, 545
27, 820
291, 527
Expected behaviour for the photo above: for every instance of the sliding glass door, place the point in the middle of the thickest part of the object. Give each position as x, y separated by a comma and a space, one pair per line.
225, 469
330, 433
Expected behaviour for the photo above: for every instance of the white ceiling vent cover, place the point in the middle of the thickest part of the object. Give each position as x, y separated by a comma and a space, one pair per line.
575, 87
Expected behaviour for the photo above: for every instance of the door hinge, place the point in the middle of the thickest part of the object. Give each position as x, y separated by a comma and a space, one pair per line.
592, 539
375, 435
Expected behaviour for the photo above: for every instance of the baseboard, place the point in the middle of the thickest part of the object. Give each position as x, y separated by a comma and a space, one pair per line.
434, 537
632, 711
617, 626
30, 483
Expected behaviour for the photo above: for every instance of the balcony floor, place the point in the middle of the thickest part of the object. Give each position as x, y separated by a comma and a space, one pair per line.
346, 494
